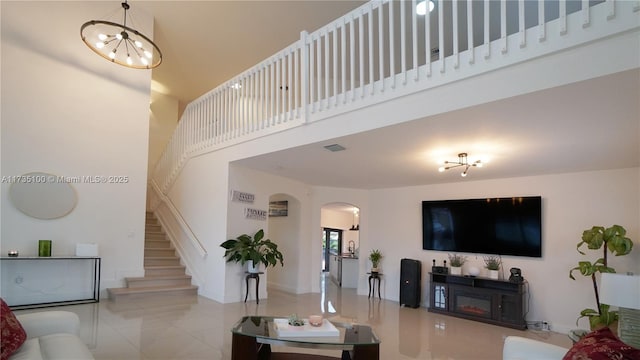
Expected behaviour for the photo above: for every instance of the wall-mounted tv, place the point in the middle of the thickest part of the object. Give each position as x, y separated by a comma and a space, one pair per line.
501, 226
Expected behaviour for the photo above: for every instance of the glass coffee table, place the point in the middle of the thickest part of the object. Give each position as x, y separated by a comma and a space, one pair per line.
253, 336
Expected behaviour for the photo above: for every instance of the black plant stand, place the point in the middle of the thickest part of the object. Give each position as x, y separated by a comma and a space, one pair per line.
256, 276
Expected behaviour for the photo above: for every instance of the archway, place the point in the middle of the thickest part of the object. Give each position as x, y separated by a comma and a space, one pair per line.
340, 224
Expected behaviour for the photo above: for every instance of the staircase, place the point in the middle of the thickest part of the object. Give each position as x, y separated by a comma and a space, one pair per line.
163, 273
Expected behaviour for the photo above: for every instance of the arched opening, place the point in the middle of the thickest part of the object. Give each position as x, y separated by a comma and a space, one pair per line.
340, 243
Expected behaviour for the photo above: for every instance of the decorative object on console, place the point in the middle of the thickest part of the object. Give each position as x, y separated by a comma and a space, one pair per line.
493, 263
246, 248
13, 253
121, 44
516, 275
473, 271
462, 161
623, 291
44, 248
375, 256
456, 262
612, 240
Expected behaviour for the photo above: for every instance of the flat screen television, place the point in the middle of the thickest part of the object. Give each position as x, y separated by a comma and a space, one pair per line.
500, 226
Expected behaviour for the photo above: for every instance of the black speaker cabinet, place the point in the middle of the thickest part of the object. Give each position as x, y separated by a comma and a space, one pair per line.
410, 274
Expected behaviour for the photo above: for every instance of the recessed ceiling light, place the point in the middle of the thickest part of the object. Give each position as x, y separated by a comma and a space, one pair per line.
335, 147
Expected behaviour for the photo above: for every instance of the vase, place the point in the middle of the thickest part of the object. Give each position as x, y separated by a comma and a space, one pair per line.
253, 268
44, 248
474, 271
456, 270
494, 274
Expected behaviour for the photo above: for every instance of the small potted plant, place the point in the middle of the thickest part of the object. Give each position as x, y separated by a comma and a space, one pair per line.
493, 263
254, 250
375, 256
456, 261
614, 240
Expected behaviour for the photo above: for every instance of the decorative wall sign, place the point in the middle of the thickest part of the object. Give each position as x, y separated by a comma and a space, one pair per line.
255, 214
278, 208
239, 196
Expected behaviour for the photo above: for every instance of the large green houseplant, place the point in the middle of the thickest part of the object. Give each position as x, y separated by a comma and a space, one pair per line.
254, 248
612, 240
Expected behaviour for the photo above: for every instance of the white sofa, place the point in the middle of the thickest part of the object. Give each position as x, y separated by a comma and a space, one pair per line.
51, 335
519, 348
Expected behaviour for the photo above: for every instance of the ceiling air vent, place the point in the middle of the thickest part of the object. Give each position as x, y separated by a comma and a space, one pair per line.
335, 147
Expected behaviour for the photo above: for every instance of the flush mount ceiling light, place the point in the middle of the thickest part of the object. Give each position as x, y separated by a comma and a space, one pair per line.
121, 44
421, 7
462, 161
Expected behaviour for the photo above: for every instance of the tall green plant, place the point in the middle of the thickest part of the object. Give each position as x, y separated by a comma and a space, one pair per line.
255, 248
612, 240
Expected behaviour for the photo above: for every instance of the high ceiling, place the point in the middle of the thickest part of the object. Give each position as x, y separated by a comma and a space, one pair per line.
590, 127
205, 43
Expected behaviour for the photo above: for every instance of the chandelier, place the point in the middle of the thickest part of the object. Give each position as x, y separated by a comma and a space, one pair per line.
120, 43
462, 161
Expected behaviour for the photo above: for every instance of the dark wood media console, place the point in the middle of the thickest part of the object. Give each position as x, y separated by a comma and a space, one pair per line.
495, 302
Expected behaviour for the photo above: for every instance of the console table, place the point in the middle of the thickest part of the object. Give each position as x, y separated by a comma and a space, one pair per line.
30, 282
253, 336
482, 299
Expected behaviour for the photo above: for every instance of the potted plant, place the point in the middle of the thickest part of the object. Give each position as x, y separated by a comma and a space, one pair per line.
254, 249
612, 240
493, 263
375, 256
456, 262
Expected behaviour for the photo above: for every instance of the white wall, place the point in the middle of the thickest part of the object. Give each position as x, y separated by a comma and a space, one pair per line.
68, 112
295, 241
285, 231
163, 119
571, 204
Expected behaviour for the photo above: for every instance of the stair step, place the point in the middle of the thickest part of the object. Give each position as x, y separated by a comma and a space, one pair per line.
152, 228
157, 243
157, 281
159, 252
159, 236
117, 294
164, 270
161, 260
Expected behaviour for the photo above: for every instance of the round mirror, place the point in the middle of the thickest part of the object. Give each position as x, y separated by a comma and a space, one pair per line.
42, 195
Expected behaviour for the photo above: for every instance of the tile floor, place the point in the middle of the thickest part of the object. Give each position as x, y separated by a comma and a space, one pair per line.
188, 328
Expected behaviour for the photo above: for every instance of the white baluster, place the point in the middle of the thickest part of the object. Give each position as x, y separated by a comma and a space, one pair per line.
542, 25
522, 32
470, 47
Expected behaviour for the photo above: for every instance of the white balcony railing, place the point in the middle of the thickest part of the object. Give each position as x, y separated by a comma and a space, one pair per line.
380, 51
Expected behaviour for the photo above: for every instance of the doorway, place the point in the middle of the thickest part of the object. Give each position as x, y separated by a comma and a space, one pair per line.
331, 244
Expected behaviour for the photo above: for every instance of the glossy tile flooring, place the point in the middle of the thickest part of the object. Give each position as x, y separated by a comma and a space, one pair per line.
173, 327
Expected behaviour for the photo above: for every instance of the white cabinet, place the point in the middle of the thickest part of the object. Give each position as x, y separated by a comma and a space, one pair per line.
334, 268
349, 272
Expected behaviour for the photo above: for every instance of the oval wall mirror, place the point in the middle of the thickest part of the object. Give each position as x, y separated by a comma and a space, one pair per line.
42, 196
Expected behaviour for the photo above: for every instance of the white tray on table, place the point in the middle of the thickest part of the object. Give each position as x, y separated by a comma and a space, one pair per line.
283, 329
